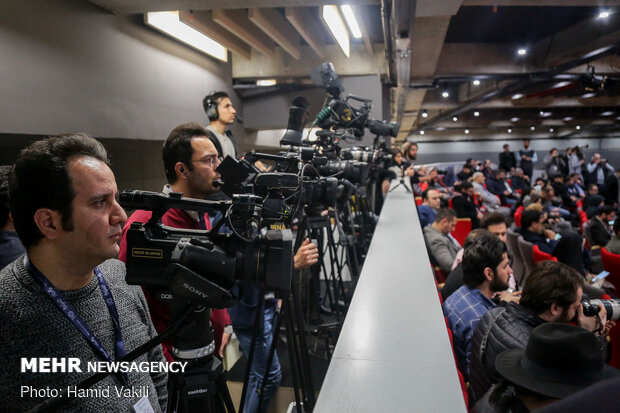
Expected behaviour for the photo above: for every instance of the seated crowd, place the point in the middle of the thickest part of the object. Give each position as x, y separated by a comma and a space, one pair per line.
521, 339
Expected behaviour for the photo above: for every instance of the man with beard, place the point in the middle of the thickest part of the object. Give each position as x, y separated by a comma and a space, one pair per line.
486, 271
552, 293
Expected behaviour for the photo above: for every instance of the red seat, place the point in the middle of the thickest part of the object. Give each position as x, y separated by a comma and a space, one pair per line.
450, 203
611, 263
418, 200
462, 229
518, 215
540, 256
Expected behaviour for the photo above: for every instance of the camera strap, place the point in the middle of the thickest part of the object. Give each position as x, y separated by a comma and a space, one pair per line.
61, 302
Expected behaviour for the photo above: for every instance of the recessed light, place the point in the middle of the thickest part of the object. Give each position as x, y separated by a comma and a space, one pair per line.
608, 113
522, 51
421, 132
445, 94
515, 119
532, 128
509, 130
424, 114
440, 128
476, 82
466, 131
603, 15
517, 96
545, 114
476, 113
266, 82
577, 127
566, 119
454, 119
551, 130
588, 95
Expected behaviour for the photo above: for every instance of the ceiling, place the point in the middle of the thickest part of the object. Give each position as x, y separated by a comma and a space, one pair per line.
566, 84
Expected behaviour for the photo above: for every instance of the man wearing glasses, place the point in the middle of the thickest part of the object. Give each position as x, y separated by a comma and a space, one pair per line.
190, 159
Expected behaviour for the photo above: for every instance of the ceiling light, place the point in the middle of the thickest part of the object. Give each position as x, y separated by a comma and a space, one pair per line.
517, 96
349, 16
522, 51
421, 132
541, 113
454, 119
608, 113
336, 26
466, 131
561, 84
424, 114
476, 82
588, 95
509, 130
545, 114
476, 113
603, 15
445, 94
577, 127
440, 128
266, 82
551, 130
169, 23
532, 128
515, 119
566, 119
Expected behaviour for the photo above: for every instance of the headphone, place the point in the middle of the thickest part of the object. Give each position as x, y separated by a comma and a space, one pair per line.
210, 106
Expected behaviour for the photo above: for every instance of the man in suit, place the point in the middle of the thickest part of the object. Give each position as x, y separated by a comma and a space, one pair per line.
430, 205
613, 245
600, 231
442, 246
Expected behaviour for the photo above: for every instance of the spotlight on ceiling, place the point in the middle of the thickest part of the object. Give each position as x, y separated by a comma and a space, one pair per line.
603, 14
476, 82
476, 113
568, 118
515, 119
466, 131
421, 132
551, 130
440, 128
445, 94
266, 82
578, 127
588, 95
522, 51
532, 128
607, 113
517, 96
509, 130
545, 114
454, 119
424, 114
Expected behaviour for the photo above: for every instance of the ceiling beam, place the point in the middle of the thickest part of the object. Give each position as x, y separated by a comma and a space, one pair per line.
142, 6
278, 28
359, 11
203, 22
237, 22
307, 25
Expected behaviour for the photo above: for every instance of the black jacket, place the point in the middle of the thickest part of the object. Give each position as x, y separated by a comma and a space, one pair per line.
501, 328
507, 160
465, 208
599, 233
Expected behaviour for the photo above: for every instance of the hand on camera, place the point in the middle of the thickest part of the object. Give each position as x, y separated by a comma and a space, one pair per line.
307, 255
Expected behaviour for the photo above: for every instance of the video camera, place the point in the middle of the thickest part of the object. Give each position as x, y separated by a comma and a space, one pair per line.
202, 266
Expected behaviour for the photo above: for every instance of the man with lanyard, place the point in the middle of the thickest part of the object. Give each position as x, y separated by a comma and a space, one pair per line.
190, 159
221, 115
527, 158
66, 298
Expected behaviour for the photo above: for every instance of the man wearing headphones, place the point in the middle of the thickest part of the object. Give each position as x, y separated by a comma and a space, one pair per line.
221, 114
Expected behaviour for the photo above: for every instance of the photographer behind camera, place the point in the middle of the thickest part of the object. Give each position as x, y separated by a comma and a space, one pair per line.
67, 298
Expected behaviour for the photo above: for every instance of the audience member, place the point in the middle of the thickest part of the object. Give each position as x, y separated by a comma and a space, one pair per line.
592, 200
431, 203
598, 169
464, 205
576, 162
554, 164
612, 192
496, 224
575, 187
558, 361
485, 272
527, 158
599, 228
10, 245
489, 201
520, 181
442, 246
551, 203
507, 159
67, 298
486, 168
465, 174
613, 245
552, 293
561, 190
498, 185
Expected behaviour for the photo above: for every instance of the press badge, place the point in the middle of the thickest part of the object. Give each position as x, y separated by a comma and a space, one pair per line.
143, 406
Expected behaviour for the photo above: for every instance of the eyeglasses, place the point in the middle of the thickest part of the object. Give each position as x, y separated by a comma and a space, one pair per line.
210, 160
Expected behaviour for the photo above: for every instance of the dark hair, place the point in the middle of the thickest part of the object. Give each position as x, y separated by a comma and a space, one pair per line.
617, 225
465, 185
590, 186
550, 282
605, 209
530, 216
426, 191
213, 98
444, 213
492, 218
485, 251
474, 235
5, 172
468, 166
178, 147
41, 180
505, 146
552, 149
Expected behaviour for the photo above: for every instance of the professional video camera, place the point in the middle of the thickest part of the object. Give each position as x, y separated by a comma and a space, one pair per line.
590, 307
202, 266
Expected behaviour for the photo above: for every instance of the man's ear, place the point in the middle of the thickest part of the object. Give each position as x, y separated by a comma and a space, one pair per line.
488, 274
49, 222
180, 170
555, 310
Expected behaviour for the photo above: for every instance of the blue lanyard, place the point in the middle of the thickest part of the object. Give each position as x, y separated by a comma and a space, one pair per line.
59, 299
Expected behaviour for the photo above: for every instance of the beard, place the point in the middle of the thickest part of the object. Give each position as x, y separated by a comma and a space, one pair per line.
497, 284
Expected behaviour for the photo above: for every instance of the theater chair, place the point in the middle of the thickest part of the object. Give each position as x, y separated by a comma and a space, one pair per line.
518, 268
517, 216
418, 200
525, 248
540, 256
462, 229
611, 263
